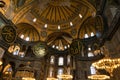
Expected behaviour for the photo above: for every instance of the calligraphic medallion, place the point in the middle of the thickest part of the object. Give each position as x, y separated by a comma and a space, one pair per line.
8, 33
40, 49
76, 47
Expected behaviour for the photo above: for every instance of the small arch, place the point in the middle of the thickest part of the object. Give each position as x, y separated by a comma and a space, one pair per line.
52, 59
68, 59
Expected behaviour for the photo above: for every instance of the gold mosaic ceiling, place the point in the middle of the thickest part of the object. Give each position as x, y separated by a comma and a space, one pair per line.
91, 25
25, 30
55, 12
50, 17
60, 41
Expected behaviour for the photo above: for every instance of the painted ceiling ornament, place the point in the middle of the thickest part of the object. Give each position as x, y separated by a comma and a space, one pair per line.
40, 49
76, 47
73, 32
60, 2
67, 13
44, 4
8, 33
43, 33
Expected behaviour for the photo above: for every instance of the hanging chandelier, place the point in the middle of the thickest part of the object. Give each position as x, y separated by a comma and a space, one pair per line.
28, 78
51, 78
98, 77
108, 64
65, 76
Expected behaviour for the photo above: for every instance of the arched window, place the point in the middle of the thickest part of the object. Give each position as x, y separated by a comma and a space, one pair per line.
7, 72
68, 70
92, 34
68, 59
11, 49
60, 71
92, 70
8, 68
51, 72
90, 54
86, 36
60, 61
14, 49
52, 60
21, 54
16, 52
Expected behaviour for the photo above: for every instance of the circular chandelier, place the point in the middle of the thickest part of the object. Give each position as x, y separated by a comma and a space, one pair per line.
65, 76
28, 78
98, 77
108, 64
51, 78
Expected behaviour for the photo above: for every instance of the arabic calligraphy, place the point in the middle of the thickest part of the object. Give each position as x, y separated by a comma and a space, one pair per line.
76, 47
8, 34
39, 49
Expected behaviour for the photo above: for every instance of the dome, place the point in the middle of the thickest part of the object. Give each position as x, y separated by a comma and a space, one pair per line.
63, 13
27, 32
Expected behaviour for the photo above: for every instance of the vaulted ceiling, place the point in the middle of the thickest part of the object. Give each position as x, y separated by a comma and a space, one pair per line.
57, 22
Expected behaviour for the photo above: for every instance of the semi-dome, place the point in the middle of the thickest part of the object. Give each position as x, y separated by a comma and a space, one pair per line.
59, 41
92, 26
27, 32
